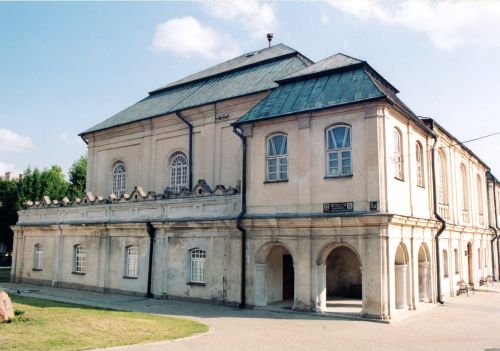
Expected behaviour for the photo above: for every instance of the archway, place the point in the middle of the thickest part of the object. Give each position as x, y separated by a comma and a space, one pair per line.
424, 274
274, 277
339, 280
402, 277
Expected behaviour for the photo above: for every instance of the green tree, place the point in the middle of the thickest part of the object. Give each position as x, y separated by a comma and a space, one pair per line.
77, 178
8, 210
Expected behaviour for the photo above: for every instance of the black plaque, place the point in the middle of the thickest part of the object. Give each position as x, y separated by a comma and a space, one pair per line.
338, 207
373, 205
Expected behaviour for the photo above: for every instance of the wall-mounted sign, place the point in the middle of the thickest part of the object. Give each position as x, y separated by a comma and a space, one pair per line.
373, 205
338, 207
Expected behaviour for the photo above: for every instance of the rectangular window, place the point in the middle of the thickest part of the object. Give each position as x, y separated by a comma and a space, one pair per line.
38, 258
80, 258
132, 261
198, 266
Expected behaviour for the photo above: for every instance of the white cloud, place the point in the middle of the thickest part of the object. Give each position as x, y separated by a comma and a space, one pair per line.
448, 24
257, 17
10, 141
325, 19
187, 37
8, 167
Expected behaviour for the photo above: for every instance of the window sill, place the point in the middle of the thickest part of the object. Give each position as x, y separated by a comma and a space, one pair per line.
400, 179
128, 277
78, 273
276, 181
195, 284
37, 269
337, 177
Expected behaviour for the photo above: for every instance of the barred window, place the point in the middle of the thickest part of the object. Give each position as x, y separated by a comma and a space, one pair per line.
179, 172
277, 157
420, 164
38, 257
119, 179
339, 161
398, 155
198, 266
79, 259
132, 261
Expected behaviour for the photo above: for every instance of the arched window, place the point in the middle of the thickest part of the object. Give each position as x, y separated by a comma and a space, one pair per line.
79, 259
38, 257
277, 157
398, 155
419, 157
119, 179
479, 186
132, 261
464, 199
179, 172
457, 264
339, 148
442, 185
197, 263
445, 263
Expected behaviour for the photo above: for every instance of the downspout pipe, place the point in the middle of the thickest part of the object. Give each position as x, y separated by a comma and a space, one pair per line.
152, 233
495, 229
190, 157
239, 219
440, 219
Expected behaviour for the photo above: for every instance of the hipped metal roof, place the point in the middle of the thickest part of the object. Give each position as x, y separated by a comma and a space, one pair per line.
246, 74
334, 81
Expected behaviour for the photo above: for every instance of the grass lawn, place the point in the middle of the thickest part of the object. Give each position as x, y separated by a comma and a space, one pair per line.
61, 326
4, 274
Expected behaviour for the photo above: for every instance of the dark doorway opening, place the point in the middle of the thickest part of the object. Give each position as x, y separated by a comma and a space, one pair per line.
288, 277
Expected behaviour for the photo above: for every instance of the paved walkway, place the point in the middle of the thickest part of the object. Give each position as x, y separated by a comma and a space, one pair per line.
464, 323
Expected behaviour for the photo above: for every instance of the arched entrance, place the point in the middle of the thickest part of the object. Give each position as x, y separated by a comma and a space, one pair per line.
274, 276
424, 274
402, 277
470, 275
339, 280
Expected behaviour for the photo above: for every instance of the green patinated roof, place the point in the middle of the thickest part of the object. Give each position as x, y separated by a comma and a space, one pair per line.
246, 74
330, 63
332, 88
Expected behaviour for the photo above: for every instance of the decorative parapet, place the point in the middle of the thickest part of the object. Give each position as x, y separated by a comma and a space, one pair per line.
138, 206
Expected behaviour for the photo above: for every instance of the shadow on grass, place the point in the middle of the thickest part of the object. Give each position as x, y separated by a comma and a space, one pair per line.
42, 303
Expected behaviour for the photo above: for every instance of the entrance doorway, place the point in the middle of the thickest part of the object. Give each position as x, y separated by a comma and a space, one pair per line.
424, 274
469, 263
275, 278
402, 277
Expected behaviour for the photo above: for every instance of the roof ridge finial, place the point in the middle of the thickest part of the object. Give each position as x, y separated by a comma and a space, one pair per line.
270, 38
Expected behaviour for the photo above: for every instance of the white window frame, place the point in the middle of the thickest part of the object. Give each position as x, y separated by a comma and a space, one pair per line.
441, 179
276, 160
132, 262
38, 257
339, 157
419, 150
445, 264
179, 172
479, 185
197, 258
398, 154
464, 198
80, 259
119, 178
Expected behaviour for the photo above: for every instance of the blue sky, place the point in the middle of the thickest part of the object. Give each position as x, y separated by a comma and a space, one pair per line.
64, 67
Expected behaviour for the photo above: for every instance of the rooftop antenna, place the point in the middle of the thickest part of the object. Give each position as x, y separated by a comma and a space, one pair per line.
270, 38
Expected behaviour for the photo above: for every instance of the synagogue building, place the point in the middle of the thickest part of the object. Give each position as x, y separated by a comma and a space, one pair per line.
271, 180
